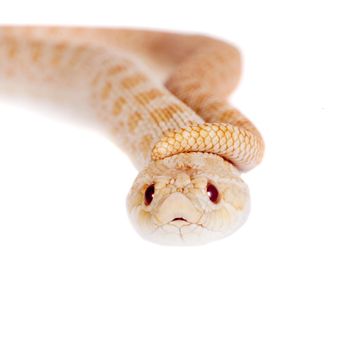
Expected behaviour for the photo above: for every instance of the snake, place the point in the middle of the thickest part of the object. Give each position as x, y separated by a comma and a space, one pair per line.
164, 99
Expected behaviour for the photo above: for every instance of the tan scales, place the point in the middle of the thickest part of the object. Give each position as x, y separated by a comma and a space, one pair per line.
164, 98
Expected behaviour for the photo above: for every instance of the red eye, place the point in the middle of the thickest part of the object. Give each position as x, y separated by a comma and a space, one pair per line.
149, 193
213, 193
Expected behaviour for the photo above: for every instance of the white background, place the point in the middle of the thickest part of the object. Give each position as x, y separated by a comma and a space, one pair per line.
74, 274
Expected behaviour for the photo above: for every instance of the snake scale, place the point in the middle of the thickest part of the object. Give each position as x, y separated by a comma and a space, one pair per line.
163, 96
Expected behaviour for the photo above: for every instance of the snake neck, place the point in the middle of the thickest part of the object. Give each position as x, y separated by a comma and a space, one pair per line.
239, 146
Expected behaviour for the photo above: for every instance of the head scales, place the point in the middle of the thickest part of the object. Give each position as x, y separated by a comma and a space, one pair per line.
181, 211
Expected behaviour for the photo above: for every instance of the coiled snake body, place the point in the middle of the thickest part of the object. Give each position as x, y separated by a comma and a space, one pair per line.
189, 144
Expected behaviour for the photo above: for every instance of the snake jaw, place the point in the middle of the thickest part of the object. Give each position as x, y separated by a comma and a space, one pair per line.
179, 222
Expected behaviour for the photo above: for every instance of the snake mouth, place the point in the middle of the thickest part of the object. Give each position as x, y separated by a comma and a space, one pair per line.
179, 219
179, 222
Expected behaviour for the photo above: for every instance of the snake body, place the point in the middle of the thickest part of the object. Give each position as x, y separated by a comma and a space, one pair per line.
163, 96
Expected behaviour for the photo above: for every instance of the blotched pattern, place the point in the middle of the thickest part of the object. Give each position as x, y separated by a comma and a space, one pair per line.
201, 73
160, 94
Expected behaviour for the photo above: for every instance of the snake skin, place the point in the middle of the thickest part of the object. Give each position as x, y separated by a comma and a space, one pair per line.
163, 97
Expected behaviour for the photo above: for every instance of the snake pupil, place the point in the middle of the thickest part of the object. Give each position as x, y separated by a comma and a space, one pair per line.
149, 194
213, 193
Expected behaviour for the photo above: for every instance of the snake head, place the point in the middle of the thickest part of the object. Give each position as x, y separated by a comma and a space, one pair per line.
188, 199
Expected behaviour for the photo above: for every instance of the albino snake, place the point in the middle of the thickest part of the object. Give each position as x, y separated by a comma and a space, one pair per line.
163, 96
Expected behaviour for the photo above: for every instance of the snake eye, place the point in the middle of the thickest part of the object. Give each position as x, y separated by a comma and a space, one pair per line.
149, 194
213, 193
